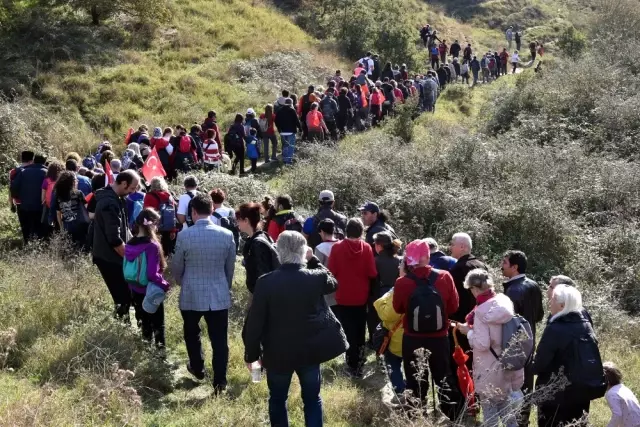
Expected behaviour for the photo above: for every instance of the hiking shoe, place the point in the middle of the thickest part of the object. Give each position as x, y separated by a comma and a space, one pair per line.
198, 375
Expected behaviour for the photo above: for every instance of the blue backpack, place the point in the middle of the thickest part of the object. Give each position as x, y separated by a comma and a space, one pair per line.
135, 272
137, 208
167, 212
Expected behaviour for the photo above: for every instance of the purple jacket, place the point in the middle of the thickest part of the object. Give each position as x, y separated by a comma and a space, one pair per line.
133, 249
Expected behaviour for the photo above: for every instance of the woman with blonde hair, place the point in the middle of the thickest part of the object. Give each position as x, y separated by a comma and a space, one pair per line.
159, 198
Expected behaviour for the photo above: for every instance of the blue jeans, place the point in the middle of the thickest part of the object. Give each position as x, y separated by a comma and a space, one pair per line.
279, 383
288, 147
394, 370
506, 410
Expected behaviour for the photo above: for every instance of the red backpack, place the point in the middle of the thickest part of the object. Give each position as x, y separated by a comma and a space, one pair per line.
185, 144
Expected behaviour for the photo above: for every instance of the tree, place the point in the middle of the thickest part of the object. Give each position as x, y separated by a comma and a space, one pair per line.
572, 42
99, 10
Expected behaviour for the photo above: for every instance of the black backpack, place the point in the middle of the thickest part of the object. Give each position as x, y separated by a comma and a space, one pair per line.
189, 220
229, 222
314, 238
585, 371
293, 224
425, 311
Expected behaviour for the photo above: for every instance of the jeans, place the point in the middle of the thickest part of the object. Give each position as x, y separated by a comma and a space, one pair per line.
354, 321
505, 409
279, 382
515, 65
394, 371
475, 77
435, 61
118, 288
265, 146
288, 147
151, 325
333, 129
217, 325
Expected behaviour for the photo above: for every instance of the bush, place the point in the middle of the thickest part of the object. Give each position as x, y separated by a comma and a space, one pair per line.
238, 190
572, 42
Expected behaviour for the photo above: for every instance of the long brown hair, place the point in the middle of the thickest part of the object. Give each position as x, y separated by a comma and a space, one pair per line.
146, 218
268, 112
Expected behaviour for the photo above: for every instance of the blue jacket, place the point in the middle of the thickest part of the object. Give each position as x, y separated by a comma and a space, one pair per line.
84, 185
441, 261
252, 147
27, 187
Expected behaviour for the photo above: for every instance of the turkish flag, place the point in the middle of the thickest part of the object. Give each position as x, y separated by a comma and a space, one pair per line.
152, 167
128, 137
107, 171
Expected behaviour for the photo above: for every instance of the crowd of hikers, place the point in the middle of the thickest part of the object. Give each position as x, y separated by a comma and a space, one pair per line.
319, 287
325, 285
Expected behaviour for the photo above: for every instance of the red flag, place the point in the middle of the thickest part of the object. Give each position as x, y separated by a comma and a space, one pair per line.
107, 171
152, 167
128, 137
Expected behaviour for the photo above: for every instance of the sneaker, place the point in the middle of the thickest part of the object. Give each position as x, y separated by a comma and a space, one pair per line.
198, 375
219, 389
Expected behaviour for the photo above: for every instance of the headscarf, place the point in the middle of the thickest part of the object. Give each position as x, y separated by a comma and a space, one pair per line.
135, 147
127, 158
157, 132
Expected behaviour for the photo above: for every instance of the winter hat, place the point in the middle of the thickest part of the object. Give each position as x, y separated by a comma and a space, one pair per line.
416, 251
157, 132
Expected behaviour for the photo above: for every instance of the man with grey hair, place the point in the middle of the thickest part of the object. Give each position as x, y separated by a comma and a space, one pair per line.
567, 281
291, 329
438, 259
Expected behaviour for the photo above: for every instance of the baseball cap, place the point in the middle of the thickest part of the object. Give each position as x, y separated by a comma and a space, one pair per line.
415, 251
250, 111
369, 207
326, 196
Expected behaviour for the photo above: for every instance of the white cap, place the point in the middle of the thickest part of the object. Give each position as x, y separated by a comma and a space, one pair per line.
251, 111
326, 196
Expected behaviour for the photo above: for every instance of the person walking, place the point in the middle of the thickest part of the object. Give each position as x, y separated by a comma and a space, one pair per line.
288, 124
71, 208
267, 127
284, 217
568, 348
375, 220
455, 49
518, 39
509, 36
290, 329
353, 265
183, 213
145, 245
625, 409
515, 58
567, 281
110, 232
26, 187
159, 198
392, 322
234, 144
497, 387
526, 296
203, 265
259, 256
438, 259
326, 201
474, 65
426, 324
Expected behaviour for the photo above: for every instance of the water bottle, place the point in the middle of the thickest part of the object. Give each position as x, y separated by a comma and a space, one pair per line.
256, 372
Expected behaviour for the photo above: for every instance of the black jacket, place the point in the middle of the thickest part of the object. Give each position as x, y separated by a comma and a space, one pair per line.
454, 50
388, 271
442, 76
340, 228
109, 225
287, 120
290, 319
259, 258
555, 351
459, 271
526, 296
344, 106
27, 187
377, 227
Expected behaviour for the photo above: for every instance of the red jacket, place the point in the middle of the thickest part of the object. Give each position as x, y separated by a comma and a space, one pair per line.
353, 265
404, 287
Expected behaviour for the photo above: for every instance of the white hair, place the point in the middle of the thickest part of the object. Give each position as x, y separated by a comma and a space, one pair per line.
570, 297
135, 147
291, 247
480, 279
433, 245
158, 184
463, 238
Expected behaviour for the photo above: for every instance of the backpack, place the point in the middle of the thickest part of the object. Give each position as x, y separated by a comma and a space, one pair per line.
229, 222
135, 272
167, 214
585, 371
517, 344
137, 208
189, 220
232, 140
314, 238
264, 124
275, 262
425, 311
293, 224
185, 144
492, 62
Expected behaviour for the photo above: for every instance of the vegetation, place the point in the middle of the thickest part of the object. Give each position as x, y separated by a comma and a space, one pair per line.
544, 162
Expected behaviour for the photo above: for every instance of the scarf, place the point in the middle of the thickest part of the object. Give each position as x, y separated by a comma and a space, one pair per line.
480, 299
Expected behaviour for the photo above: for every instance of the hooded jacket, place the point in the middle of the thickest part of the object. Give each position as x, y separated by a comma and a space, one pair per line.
389, 318
287, 120
26, 187
135, 247
276, 225
353, 265
490, 379
110, 225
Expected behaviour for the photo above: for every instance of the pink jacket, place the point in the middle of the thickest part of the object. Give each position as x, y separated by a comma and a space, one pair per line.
491, 381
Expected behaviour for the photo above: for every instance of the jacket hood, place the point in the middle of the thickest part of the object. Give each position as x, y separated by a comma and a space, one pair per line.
355, 247
281, 101
283, 216
136, 246
107, 193
498, 310
163, 195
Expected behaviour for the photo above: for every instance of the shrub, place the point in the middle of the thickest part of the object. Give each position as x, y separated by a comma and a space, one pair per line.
572, 42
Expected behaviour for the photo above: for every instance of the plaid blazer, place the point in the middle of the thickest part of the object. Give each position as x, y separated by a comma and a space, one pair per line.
203, 264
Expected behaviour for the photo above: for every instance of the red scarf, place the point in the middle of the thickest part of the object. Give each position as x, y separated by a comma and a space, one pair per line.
480, 299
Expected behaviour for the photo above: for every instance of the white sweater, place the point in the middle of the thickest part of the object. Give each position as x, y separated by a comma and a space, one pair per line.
625, 410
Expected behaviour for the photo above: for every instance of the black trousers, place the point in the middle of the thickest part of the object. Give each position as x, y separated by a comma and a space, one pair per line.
353, 320
372, 317
438, 363
238, 159
562, 415
333, 129
151, 325
527, 389
118, 288
217, 327
30, 224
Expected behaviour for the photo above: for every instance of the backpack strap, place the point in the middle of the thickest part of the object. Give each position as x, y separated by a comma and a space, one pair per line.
217, 215
430, 281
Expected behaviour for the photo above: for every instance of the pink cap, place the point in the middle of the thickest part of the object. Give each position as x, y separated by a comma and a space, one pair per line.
416, 251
